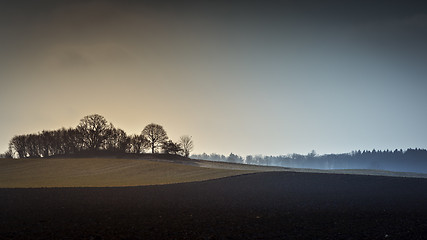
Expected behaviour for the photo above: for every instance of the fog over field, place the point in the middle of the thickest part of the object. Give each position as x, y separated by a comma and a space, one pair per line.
410, 160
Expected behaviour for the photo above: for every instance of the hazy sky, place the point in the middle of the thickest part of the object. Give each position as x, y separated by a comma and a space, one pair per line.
243, 77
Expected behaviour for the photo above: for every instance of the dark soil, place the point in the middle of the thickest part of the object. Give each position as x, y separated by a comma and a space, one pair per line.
274, 205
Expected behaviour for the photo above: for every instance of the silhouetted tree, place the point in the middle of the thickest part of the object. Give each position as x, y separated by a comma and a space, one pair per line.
45, 142
72, 141
7, 154
116, 139
137, 144
94, 131
186, 144
169, 147
31, 145
17, 145
155, 134
57, 143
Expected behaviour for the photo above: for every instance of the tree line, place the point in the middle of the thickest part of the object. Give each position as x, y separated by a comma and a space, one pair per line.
93, 134
410, 160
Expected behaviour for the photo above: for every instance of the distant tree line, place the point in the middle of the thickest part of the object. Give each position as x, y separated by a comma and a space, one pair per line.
411, 160
94, 134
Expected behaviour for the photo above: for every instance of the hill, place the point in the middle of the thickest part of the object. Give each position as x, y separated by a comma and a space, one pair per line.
108, 172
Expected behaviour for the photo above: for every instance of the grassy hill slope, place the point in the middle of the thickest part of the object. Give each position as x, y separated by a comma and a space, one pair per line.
102, 172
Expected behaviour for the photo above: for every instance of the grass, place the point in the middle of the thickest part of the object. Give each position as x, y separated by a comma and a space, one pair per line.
102, 172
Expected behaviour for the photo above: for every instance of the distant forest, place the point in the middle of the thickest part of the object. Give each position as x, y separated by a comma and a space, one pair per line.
411, 160
94, 135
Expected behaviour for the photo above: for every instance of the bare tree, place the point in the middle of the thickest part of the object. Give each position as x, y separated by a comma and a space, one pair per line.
7, 154
72, 140
117, 139
17, 145
137, 144
186, 144
94, 133
169, 147
155, 134
94, 130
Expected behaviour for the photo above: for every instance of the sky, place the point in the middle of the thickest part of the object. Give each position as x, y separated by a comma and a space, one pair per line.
246, 77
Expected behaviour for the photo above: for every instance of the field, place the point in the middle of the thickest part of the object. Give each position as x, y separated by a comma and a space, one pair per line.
206, 201
107, 172
116, 172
